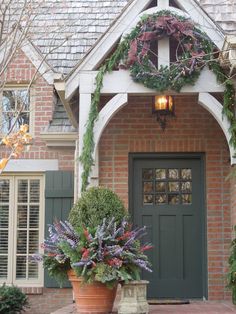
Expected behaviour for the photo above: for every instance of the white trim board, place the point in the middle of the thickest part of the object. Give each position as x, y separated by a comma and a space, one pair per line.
120, 81
38, 61
31, 165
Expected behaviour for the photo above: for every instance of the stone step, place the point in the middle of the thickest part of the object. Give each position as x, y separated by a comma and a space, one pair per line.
70, 309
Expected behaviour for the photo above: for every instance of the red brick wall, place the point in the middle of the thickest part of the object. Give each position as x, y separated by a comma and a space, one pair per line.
21, 71
49, 301
134, 129
233, 197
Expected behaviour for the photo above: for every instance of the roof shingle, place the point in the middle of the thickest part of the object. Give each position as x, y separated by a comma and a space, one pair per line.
66, 29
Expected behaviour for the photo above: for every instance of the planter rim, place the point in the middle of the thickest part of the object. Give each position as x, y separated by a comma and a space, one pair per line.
136, 282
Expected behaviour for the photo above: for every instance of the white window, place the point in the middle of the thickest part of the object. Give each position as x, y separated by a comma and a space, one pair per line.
16, 108
21, 229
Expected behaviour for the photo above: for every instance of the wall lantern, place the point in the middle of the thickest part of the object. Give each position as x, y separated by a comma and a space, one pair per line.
163, 106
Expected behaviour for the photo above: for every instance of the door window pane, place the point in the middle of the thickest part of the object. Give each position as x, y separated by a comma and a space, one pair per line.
161, 187
147, 174
161, 199
160, 174
147, 187
173, 199
173, 186
186, 198
186, 187
148, 199
186, 174
173, 174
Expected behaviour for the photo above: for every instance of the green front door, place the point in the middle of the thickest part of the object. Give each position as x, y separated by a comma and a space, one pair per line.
167, 195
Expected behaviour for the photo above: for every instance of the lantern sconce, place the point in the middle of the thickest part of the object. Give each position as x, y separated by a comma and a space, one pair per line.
163, 106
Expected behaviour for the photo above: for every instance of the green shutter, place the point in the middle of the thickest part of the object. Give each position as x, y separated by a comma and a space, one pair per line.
59, 196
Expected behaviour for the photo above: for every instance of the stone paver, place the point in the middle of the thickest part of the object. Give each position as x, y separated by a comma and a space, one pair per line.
192, 308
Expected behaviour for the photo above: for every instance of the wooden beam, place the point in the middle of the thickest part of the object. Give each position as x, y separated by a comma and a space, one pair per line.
121, 82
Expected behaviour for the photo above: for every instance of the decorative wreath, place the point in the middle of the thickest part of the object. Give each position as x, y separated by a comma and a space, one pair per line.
194, 50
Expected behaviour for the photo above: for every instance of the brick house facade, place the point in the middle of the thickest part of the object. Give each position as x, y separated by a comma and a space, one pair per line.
60, 108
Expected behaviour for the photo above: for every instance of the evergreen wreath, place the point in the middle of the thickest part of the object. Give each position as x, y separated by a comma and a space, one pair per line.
194, 51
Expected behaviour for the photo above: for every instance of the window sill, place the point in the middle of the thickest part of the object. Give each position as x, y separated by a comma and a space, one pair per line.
32, 290
60, 139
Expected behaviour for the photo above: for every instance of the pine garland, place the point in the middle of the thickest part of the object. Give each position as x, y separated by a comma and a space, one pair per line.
88, 140
198, 51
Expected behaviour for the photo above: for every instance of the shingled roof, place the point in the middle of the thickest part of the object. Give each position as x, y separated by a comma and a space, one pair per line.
67, 29
70, 28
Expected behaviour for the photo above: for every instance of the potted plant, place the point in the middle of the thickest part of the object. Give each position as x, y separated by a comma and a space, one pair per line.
97, 259
231, 278
96, 253
93, 206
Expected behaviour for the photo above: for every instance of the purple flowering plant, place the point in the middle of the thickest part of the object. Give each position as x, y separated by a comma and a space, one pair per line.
108, 253
54, 259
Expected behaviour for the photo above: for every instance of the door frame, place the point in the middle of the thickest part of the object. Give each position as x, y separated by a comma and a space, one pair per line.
200, 156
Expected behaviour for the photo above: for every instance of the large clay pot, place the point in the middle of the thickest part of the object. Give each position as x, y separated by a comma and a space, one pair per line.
94, 298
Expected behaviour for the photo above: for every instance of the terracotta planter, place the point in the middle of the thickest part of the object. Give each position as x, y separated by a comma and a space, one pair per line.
93, 298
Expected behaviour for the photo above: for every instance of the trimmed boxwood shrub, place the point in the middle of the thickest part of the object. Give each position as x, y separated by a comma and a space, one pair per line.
12, 300
94, 205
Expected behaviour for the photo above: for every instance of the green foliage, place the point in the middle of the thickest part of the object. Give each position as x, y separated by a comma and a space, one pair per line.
88, 139
94, 205
231, 278
55, 269
229, 99
184, 72
12, 300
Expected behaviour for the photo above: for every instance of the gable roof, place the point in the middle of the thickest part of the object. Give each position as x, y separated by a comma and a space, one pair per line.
72, 28
127, 20
69, 29
64, 31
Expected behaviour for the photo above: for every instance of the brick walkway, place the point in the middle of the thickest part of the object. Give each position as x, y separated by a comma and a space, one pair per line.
193, 308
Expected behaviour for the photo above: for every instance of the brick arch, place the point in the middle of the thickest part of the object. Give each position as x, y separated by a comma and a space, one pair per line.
207, 101
105, 115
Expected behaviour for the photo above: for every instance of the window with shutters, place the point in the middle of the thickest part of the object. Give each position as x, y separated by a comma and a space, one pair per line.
21, 229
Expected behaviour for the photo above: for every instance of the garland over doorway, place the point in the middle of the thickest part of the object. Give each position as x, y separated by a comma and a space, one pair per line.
194, 51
